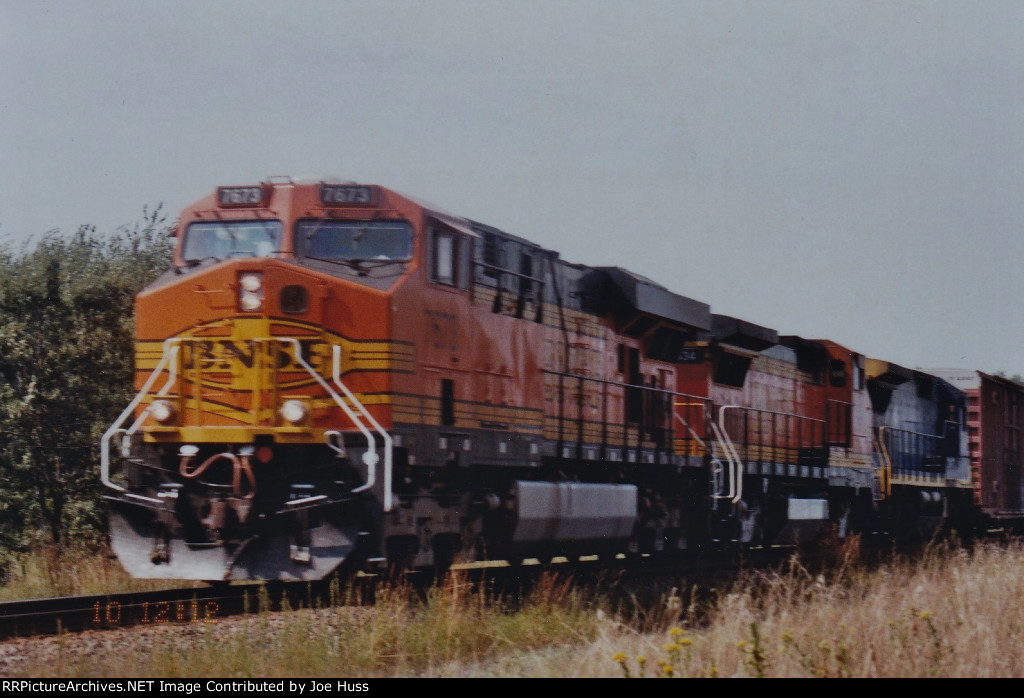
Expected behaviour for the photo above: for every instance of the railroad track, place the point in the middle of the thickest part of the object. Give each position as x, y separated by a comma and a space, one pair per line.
49, 616
194, 605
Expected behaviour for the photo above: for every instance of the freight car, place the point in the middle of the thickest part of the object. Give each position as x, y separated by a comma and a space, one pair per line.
334, 374
995, 420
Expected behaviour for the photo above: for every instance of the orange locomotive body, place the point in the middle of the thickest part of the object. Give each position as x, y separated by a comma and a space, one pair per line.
336, 374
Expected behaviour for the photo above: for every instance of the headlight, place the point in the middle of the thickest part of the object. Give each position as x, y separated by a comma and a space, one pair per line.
162, 411
251, 282
250, 291
294, 411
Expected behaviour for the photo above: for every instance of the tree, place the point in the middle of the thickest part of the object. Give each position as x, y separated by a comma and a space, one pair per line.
66, 338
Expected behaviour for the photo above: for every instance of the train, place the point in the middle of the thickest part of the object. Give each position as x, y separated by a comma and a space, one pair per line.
333, 376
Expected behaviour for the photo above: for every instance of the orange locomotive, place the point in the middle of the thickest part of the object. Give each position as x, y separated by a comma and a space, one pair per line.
333, 373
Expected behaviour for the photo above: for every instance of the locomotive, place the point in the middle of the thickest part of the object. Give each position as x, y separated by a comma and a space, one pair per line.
333, 374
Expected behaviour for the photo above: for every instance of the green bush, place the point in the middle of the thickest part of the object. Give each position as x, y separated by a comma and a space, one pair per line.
66, 335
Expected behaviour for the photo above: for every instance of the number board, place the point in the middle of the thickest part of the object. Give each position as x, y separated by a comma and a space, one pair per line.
346, 194
689, 356
240, 196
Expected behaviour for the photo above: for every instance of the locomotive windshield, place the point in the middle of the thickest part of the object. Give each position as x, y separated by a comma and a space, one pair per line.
355, 241
223, 239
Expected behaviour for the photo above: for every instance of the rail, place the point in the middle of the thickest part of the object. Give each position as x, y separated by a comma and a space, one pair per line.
913, 452
200, 605
524, 295
772, 435
884, 472
653, 424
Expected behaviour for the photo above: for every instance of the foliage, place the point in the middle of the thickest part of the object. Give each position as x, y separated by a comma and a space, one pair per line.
66, 371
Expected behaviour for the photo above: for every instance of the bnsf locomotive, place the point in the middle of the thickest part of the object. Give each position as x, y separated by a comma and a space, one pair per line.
334, 373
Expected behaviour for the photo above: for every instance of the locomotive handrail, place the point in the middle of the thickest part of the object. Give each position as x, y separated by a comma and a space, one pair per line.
169, 352
764, 411
723, 439
388, 449
914, 451
916, 433
687, 424
715, 462
172, 378
702, 401
370, 457
620, 384
714, 457
168, 362
503, 270
730, 447
523, 296
886, 470
736, 485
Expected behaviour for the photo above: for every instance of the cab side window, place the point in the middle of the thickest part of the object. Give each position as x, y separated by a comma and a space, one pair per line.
450, 257
445, 267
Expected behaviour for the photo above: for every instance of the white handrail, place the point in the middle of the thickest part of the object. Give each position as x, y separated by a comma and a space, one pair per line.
168, 353
723, 439
370, 457
711, 451
172, 378
385, 436
731, 449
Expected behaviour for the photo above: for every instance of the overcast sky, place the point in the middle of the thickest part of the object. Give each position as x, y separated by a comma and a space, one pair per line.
845, 170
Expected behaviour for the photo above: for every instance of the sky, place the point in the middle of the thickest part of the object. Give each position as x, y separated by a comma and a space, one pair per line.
845, 170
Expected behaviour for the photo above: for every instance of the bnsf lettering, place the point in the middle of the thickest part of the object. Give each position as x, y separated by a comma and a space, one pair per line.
245, 356
221, 355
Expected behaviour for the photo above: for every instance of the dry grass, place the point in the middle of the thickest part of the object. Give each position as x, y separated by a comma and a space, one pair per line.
62, 571
953, 612
459, 628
